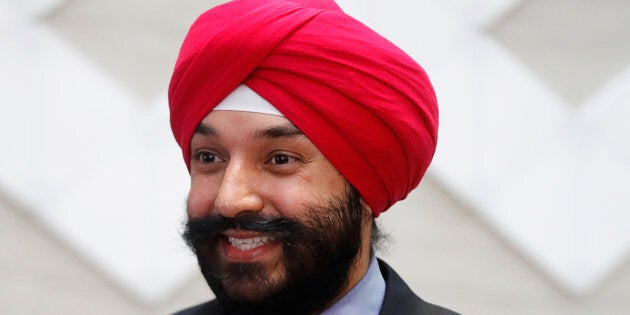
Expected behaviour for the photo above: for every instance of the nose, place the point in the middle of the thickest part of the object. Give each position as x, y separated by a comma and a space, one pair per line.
238, 191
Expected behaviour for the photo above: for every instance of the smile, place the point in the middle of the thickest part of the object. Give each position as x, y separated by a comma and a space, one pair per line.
250, 243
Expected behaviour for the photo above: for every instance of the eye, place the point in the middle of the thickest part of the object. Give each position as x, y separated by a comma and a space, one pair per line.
281, 159
207, 157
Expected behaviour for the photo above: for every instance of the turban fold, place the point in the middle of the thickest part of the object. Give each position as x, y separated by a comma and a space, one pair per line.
366, 105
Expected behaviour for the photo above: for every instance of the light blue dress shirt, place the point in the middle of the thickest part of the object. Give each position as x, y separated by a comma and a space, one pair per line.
366, 298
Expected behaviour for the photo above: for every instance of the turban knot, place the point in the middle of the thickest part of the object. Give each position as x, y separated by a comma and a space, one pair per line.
366, 105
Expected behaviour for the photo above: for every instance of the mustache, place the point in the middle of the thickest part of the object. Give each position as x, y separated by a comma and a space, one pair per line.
200, 230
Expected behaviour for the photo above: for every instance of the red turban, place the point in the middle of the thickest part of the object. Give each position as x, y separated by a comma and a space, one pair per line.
366, 105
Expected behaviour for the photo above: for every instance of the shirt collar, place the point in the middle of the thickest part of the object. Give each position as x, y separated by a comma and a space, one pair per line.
366, 298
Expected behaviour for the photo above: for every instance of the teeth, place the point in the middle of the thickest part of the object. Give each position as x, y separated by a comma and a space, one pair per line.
249, 243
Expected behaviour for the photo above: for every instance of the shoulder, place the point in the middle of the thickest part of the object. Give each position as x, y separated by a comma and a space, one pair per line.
400, 300
209, 308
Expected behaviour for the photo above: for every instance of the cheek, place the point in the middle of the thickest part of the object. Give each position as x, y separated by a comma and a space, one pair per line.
292, 198
328, 184
200, 198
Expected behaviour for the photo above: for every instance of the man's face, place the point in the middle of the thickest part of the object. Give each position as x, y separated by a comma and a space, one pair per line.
269, 215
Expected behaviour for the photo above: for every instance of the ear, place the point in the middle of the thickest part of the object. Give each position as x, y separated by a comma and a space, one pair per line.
367, 211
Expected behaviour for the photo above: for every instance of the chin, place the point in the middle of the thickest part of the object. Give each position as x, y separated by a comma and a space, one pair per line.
252, 282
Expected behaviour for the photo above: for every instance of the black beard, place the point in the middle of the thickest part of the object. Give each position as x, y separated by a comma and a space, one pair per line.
317, 257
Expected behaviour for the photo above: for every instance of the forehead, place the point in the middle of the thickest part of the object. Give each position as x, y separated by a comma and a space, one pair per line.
224, 123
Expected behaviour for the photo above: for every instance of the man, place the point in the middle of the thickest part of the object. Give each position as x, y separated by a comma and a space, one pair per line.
299, 125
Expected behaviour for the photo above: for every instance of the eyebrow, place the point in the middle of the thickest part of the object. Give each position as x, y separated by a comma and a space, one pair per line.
273, 132
279, 132
205, 130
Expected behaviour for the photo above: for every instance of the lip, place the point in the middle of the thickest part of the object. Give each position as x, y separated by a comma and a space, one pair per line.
263, 252
242, 233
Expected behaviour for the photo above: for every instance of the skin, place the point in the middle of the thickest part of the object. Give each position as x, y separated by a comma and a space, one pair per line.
242, 161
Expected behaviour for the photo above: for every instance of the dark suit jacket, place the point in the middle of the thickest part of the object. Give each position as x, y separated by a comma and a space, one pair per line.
399, 300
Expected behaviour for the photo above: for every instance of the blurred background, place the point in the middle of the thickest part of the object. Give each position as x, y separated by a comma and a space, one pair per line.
525, 210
